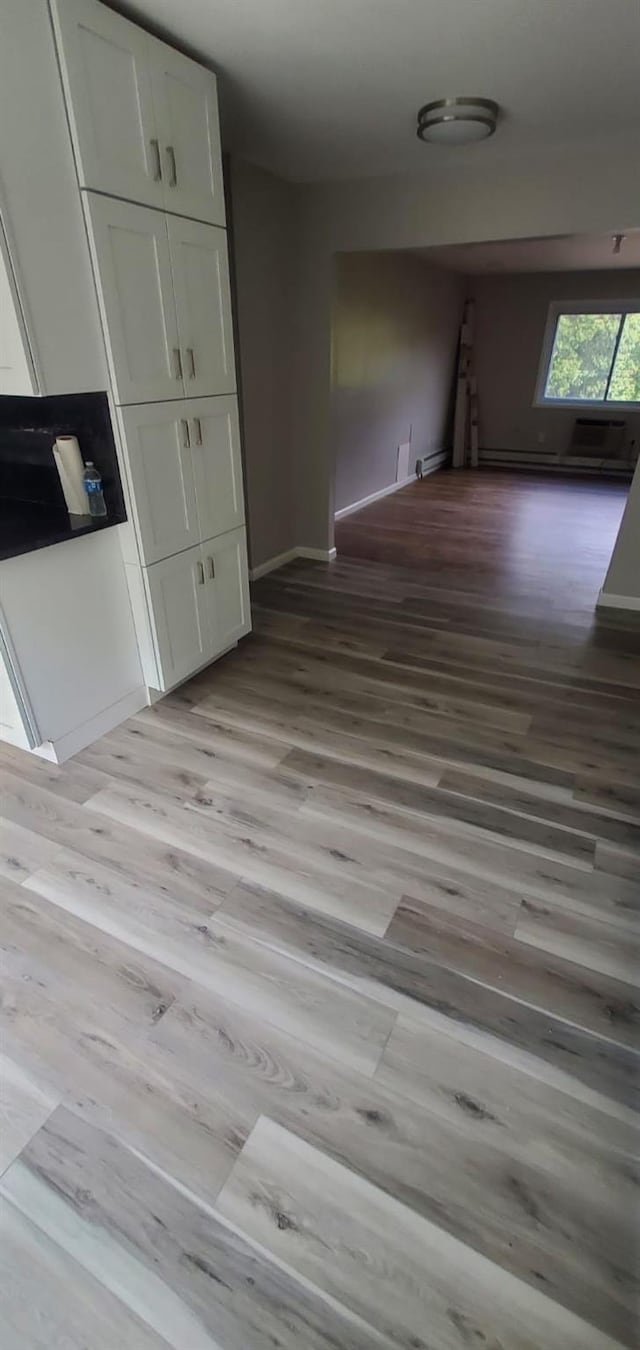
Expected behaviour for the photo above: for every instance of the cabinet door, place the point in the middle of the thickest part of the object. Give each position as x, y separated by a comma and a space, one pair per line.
217, 467
186, 107
225, 561
179, 613
107, 78
203, 301
133, 271
17, 371
157, 447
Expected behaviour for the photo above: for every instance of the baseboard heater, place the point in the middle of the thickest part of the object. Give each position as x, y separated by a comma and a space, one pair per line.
597, 437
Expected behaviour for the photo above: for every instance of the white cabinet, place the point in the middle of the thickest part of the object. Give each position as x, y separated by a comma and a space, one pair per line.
107, 76
176, 589
17, 367
186, 108
130, 251
144, 118
203, 301
198, 605
184, 471
157, 444
217, 465
225, 562
163, 285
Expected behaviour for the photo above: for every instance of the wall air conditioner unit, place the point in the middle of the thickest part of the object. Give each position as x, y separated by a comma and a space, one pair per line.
597, 438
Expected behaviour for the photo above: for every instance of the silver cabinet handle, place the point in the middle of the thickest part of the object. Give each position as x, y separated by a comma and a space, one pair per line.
201, 574
186, 439
157, 162
212, 567
177, 360
197, 427
192, 363
173, 172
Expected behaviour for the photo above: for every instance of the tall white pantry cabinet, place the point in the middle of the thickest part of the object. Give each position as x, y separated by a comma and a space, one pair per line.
145, 131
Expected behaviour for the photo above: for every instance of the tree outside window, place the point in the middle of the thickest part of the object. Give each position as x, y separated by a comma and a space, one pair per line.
595, 358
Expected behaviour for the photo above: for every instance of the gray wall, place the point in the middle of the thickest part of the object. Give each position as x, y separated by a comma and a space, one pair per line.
511, 315
264, 234
287, 238
570, 191
623, 577
394, 335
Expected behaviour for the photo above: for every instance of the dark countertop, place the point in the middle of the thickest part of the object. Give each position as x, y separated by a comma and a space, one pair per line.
33, 511
27, 526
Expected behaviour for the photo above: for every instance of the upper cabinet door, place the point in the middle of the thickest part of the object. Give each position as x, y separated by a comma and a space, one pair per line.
133, 271
227, 591
203, 301
157, 440
186, 108
106, 73
217, 466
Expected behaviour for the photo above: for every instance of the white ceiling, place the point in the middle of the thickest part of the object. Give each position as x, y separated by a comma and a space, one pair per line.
317, 89
563, 253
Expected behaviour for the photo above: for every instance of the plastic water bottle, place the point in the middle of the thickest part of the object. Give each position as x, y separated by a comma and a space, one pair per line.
93, 489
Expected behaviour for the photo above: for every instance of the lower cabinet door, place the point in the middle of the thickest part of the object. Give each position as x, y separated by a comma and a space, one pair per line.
180, 614
217, 467
227, 588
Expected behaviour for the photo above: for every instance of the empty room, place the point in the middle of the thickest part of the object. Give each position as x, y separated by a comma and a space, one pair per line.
319, 675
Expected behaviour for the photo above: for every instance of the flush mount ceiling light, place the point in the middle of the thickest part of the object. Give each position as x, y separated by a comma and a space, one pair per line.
457, 121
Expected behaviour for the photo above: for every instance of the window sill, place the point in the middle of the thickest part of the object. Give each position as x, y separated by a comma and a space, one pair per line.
585, 405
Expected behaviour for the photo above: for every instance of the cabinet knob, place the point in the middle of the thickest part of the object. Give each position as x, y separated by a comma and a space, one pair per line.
177, 361
186, 439
192, 363
157, 162
212, 567
197, 427
173, 172
200, 566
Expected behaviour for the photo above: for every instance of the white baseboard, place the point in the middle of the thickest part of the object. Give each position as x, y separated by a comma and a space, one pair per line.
374, 497
320, 554
608, 601
280, 560
73, 741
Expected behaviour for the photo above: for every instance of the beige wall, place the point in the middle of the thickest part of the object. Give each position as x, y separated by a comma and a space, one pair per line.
511, 315
394, 335
264, 234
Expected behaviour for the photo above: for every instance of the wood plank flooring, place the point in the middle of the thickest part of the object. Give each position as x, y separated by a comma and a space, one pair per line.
319, 1019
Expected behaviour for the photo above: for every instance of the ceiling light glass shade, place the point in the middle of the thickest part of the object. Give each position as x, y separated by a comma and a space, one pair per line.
457, 121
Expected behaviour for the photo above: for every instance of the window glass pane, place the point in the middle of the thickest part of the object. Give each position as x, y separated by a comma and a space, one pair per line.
625, 381
581, 357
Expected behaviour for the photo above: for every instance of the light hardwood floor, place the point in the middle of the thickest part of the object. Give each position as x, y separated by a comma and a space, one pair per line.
319, 1016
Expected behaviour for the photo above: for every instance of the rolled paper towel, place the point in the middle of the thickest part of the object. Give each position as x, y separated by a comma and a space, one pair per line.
66, 453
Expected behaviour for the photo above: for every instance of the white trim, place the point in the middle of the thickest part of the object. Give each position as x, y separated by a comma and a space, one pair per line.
608, 601
320, 554
90, 731
281, 559
374, 497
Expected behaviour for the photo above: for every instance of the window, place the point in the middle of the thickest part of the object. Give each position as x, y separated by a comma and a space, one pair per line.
591, 354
